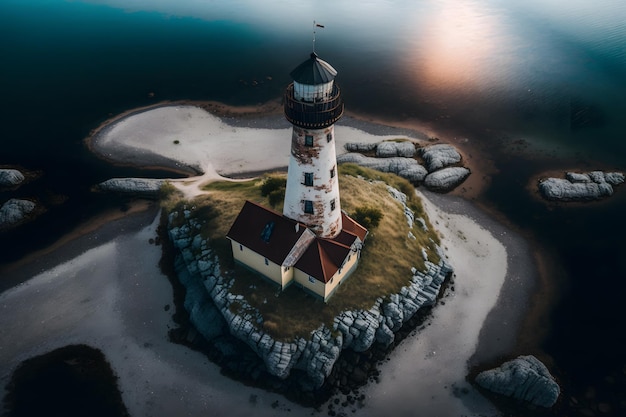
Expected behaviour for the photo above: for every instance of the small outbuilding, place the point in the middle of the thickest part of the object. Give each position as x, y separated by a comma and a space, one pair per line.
286, 251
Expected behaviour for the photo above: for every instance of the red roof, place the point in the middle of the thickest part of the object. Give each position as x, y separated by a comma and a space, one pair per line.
321, 260
248, 227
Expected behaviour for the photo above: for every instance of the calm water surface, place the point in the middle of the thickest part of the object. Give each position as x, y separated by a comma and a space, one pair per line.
549, 72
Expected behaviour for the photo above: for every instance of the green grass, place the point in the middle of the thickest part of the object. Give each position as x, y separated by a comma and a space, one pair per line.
385, 266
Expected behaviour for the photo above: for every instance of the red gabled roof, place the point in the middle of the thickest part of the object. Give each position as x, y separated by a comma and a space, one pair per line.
321, 259
248, 227
351, 226
324, 258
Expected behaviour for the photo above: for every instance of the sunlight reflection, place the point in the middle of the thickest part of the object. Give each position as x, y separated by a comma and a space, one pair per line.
456, 47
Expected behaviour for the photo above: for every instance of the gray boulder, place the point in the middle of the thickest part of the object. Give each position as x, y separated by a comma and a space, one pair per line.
414, 173
404, 149
407, 168
439, 156
524, 378
10, 177
446, 179
563, 190
14, 211
577, 177
360, 147
580, 186
614, 178
145, 187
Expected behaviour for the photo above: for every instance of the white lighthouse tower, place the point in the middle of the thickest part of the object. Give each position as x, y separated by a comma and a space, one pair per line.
313, 104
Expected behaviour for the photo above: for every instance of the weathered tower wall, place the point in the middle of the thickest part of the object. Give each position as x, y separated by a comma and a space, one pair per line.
312, 194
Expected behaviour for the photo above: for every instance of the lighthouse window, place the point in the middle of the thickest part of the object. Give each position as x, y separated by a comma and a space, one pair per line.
308, 179
332, 204
308, 140
329, 137
308, 206
332, 173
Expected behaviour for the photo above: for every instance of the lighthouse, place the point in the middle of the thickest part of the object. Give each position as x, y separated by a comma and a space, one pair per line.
312, 243
313, 104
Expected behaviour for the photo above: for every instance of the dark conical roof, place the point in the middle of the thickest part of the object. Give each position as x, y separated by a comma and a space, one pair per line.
313, 71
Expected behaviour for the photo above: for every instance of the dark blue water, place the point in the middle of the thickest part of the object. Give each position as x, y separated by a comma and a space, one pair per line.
549, 72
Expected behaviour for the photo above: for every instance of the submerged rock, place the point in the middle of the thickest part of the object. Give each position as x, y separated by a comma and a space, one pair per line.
524, 378
10, 177
446, 179
15, 211
580, 186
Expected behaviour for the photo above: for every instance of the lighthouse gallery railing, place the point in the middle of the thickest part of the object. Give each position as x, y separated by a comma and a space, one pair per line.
313, 115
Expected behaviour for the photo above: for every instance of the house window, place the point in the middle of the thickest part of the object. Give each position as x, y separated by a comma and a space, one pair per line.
331, 280
311, 279
332, 204
308, 140
267, 262
308, 179
308, 206
241, 247
329, 137
332, 172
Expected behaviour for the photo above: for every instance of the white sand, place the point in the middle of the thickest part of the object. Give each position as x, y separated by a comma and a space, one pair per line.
113, 297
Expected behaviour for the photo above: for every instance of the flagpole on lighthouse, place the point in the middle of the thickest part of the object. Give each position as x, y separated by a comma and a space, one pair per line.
314, 36
315, 25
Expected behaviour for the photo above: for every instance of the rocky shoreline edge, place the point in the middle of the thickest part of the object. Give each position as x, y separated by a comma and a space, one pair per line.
307, 371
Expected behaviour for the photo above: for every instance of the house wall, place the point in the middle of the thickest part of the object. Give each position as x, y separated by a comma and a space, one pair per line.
348, 267
316, 287
256, 262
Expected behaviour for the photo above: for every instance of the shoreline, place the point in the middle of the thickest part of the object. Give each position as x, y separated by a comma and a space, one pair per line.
269, 115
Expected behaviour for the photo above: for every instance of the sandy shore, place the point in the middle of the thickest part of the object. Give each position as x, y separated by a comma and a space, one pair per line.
113, 296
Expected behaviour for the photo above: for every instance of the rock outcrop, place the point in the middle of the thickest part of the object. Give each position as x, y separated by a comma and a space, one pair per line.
143, 187
212, 308
439, 156
580, 186
446, 179
524, 378
407, 168
390, 149
399, 158
361, 147
14, 212
10, 178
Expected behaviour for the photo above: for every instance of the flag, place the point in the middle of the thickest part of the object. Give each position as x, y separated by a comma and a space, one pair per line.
318, 25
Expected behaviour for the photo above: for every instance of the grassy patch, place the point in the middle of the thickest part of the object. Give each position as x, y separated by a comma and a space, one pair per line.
385, 267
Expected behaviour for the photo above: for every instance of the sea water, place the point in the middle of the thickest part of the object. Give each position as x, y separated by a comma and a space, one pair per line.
548, 73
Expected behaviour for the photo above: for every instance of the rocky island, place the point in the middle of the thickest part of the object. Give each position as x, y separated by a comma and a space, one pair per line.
210, 300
